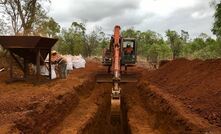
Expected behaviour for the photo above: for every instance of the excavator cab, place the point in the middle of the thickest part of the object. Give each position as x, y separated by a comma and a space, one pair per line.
128, 52
128, 58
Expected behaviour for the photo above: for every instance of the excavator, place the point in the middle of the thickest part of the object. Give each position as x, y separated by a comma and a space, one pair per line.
121, 53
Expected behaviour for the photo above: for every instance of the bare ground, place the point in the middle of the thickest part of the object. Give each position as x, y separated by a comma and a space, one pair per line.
160, 102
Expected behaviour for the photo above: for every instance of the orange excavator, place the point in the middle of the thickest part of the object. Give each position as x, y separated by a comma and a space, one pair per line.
116, 65
121, 52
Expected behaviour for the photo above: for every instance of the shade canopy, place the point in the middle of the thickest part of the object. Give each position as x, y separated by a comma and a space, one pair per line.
28, 46
27, 42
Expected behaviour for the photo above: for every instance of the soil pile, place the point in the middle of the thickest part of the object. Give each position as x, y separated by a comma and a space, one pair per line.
196, 83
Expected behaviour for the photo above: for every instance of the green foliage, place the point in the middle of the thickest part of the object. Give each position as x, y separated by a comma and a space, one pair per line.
203, 47
175, 42
158, 52
217, 23
185, 36
96, 41
48, 28
211, 50
72, 40
129, 33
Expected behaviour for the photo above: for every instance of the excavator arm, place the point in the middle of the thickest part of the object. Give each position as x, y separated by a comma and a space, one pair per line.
116, 65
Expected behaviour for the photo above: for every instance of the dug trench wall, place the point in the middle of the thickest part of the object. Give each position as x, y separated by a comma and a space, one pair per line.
100, 122
167, 115
150, 111
41, 117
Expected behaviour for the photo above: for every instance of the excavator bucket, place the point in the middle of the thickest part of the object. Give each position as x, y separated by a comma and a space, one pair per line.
115, 111
108, 78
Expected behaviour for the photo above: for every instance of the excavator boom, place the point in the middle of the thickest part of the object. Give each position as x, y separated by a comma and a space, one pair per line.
116, 53
115, 58
115, 95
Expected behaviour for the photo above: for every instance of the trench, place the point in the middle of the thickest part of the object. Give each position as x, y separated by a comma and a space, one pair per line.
86, 110
102, 122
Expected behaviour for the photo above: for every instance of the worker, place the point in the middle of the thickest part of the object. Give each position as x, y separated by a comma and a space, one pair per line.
128, 50
62, 64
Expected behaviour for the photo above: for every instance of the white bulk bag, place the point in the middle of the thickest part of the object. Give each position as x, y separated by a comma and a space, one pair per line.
78, 61
53, 74
69, 62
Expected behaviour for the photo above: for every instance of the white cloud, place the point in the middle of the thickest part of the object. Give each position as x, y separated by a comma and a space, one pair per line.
165, 8
201, 14
195, 16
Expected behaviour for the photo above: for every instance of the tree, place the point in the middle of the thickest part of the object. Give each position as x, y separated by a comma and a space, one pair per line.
3, 28
185, 36
92, 43
3, 1
129, 33
217, 22
23, 15
203, 36
175, 43
72, 40
96, 41
48, 28
203, 47
146, 40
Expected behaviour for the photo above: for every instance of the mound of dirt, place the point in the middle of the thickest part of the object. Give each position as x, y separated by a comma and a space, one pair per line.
196, 83
163, 62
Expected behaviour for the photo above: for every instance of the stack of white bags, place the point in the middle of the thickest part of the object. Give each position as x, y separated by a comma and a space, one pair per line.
75, 62
72, 62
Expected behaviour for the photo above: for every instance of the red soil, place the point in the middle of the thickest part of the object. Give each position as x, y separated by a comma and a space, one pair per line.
196, 83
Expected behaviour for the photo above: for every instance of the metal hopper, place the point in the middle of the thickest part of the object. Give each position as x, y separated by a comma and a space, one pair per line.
31, 49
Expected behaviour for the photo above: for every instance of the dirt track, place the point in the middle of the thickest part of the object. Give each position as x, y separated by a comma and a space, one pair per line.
161, 102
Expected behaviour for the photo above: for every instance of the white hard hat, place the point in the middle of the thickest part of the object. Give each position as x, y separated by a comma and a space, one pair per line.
53, 52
